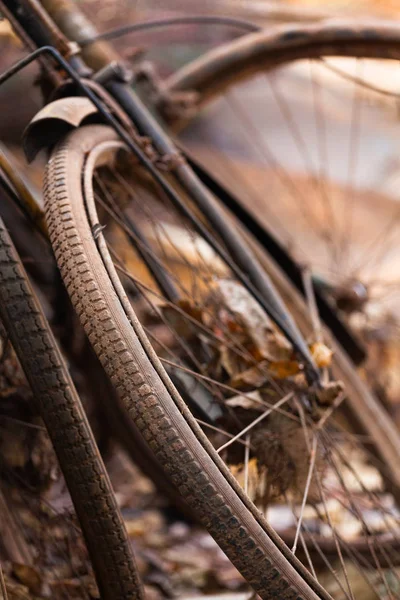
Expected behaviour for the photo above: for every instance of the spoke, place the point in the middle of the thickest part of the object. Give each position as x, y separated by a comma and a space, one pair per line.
371, 496
381, 573
323, 173
252, 133
301, 537
238, 171
312, 304
363, 567
351, 171
351, 508
313, 456
291, 123
210, 384
320, 188
356, 79
368, 537
164, 281
239, 349
3, 588
246, 463
379, 464
223, 432
273, 407
308, 556
113, 210
161, 231
376, 250
335, 537
388, 560
179, 339
329, 411
256, 421
385, 286
325, 559
323, 500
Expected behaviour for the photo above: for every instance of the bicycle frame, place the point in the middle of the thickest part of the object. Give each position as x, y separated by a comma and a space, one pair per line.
31, 20
78, 28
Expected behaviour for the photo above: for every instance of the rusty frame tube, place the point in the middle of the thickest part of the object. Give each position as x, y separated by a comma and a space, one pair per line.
29, 203
77, 27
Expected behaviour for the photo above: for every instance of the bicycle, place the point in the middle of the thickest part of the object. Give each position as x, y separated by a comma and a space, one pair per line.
77, 178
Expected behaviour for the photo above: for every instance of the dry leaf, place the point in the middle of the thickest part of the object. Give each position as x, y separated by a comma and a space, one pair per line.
253, 477
254, 377
282, 369
329, 392
179, 322
252, 400
28, 576
321, 354
232, 362
244, 317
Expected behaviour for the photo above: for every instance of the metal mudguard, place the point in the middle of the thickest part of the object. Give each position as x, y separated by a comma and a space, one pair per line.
54, 121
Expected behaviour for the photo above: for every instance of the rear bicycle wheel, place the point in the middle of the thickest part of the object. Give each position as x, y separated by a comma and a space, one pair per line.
62, 412
302, 123
172, 304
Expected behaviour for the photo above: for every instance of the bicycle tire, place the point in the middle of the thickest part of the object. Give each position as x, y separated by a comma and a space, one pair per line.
145, 389
61, 409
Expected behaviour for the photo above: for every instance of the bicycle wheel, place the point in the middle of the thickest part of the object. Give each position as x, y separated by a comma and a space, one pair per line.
302, 123
233, 368
68, 429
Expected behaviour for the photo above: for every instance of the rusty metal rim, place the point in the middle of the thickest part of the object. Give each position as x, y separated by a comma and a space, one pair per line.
237, 60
